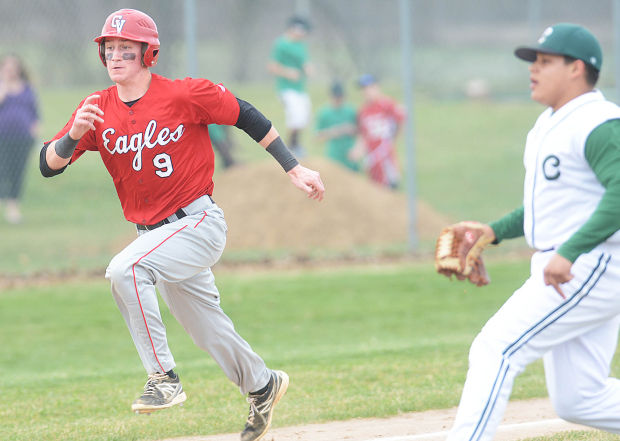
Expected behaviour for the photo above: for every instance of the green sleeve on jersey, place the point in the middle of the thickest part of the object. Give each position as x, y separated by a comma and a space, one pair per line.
509, 226
602, 152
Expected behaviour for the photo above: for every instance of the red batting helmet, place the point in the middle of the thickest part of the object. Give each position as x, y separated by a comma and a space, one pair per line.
133, 25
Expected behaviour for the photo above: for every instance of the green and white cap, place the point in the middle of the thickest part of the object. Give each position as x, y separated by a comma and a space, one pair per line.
565, 39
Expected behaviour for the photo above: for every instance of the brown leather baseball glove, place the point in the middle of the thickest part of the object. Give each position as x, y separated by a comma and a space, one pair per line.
459, 252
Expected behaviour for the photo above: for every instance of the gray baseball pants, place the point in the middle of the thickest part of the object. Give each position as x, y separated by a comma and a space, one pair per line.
176, 258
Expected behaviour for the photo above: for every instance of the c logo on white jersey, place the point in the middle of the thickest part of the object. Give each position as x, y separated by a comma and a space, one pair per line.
118, 23
551, 167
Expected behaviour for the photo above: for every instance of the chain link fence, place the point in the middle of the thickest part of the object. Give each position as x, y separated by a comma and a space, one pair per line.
454, 41
460, 48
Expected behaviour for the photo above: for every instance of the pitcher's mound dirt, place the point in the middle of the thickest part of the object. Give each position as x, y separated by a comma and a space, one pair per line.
265, 211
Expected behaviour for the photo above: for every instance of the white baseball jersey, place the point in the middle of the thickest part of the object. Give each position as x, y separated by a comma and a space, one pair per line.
576, 335
558, 177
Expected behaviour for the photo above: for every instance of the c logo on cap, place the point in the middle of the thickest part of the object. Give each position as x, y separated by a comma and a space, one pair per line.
545, 34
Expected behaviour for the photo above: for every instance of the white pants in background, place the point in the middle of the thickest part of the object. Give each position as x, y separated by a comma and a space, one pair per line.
297, 108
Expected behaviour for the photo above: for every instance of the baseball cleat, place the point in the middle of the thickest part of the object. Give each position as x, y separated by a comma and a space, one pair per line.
261, 407
160, 392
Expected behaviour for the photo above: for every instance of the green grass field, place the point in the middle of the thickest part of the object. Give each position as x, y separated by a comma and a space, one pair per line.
391, 334
356, 342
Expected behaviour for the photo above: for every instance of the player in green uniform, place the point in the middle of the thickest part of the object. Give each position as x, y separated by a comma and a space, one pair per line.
337, 125
289, 63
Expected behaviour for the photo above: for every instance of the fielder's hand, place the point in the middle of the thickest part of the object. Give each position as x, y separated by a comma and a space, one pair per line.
85, 117
308, 181
557, 272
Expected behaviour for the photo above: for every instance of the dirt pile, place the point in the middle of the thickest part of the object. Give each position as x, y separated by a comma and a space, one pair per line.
265, 212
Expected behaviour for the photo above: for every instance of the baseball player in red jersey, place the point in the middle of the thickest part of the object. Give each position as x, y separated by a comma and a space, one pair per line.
151, 133
378, 121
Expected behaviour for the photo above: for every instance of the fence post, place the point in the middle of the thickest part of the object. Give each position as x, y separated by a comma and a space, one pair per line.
407, 72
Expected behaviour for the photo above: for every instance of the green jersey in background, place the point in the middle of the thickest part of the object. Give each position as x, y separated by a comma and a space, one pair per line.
293, 54
338, 148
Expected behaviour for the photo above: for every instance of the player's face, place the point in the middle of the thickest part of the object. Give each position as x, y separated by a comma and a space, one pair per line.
9, 69
337, 100
371, 92
549, 80
298, 33
123, 59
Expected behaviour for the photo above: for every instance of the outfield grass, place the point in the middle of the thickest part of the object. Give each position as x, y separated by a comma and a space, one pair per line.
356, 342
468, 166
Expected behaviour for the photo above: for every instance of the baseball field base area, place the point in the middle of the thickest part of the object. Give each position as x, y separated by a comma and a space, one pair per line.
373, 352
524, 419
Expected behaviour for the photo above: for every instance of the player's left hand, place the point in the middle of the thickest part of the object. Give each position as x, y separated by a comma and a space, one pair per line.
557, 272
307, 180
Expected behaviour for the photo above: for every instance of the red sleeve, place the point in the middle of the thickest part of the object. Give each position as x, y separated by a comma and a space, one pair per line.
212, 103
87, 142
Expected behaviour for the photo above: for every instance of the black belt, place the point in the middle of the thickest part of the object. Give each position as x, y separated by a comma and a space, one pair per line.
179, 214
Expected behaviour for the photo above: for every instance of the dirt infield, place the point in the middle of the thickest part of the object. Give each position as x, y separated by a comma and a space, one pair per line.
523, 419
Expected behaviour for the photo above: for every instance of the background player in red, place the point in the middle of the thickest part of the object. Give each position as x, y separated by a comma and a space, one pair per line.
379, 120
152, 135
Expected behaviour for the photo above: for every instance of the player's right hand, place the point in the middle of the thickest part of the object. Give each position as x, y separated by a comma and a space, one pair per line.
557, 272
308, 181
85, 117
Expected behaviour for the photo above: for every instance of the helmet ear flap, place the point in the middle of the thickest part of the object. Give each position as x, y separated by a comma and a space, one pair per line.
149, 55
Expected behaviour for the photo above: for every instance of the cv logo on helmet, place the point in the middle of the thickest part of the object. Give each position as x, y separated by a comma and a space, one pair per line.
545, 34
118, 23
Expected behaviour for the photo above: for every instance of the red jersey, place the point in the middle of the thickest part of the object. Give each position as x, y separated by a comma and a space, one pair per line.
379, 120
158, 151
378, 123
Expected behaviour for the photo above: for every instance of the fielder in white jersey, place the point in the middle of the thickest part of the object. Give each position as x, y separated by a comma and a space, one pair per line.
568, 310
